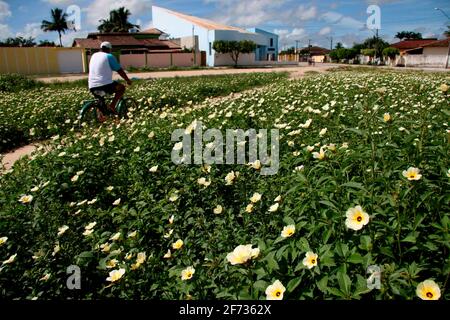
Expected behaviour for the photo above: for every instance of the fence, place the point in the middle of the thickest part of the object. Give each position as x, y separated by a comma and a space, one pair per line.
161, 60
422, 60
42, 60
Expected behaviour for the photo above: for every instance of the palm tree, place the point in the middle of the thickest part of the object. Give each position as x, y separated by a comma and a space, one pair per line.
58, 23
117, 22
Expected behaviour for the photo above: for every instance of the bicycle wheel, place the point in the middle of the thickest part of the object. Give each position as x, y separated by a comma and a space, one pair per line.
126, 105
89, 113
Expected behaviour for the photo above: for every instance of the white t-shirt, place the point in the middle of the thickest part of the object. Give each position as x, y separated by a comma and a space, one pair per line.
101, 68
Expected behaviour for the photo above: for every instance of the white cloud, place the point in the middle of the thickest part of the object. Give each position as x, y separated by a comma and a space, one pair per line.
67, 39
99, 9
343, 21
59, 2
4, 10
32, 30
325, 31
4, 31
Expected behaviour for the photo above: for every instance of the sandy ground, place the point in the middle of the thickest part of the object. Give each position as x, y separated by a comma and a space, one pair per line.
9, 158
293, 70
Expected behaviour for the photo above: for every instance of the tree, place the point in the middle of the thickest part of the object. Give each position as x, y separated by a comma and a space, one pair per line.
408, 35
46, 43
288, 51
18, 42
339, 45
234, 48
391, 52
58, 23
377, 44
447, 33
117, 22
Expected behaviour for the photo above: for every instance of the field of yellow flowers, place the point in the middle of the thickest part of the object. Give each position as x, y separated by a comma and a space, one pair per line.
363, 181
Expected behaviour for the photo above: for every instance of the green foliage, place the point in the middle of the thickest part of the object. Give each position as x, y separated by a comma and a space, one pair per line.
391, 52
118, 21
57, 23
408, 35
18, 42
368, 52
407, 233
53, 109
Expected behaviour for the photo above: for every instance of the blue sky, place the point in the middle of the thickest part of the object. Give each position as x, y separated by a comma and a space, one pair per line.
293, 20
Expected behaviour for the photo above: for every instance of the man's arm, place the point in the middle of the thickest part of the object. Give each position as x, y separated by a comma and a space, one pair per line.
124, 76
118, 68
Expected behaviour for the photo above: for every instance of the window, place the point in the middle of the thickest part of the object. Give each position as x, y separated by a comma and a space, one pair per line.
271, 42
210, 48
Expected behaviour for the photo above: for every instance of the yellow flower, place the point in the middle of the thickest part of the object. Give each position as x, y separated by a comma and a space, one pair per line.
115, 237
137, 149
310, 148
428, 290
128, 256
45, 277
167, 235
3, 240
90, 225
231, 177
35, 189
288, 231
444, 87
141, 257
319, 155
173, 197
111, 263
412, 173
387, 117
110, 188
178, 244
62, 229
323, 132
255, 165
105, 247
256, 197
203, 182
117, 202
10, 259
356, 218
56, 249
275, 291
168, 254
310, 260
115, 275
274, 207
218, 209
249, 208
132, 234
187, 273
26, 199
75, 178
242, 253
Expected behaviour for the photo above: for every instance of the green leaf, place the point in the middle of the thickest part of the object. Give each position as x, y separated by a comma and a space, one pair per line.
344, 282
336, 292
288, 221
260, 285
293, 284
355, 258
322, 284
365, 243
410, 238
272, 264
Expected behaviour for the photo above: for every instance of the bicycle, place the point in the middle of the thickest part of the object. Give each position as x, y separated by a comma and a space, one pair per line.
90, 111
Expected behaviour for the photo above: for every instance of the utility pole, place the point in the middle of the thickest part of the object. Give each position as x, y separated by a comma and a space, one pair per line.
331, 45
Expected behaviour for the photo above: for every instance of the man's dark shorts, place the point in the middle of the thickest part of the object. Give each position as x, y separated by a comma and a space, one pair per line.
111, 88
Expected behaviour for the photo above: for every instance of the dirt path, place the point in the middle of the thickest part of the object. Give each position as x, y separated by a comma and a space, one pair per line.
10, 158
296, 70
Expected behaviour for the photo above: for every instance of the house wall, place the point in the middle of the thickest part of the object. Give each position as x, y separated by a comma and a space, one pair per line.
424, 60
178, 28
226, 60
42, 60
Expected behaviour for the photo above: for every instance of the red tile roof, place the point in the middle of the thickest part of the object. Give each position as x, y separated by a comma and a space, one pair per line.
411, 43
439, 43
126, 40
152, 31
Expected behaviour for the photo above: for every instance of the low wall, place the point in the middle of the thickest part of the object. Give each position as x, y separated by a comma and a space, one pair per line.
422, 60
42, 60
160, 60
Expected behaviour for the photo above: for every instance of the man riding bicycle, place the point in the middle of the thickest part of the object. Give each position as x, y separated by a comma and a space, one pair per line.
101, 69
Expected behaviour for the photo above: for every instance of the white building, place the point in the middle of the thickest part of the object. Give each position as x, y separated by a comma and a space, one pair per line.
179, 25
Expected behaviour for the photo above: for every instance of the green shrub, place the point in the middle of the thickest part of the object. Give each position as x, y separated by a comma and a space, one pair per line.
16, 82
